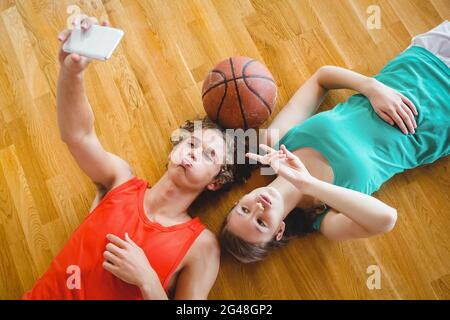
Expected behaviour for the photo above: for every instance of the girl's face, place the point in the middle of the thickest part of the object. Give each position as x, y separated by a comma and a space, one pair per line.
258, 216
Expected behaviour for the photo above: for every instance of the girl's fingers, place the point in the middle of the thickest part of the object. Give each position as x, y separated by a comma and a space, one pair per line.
267, 148
409, 104
277, 157
399, 122
410, 115
292, 157
287, 152
386, 118
256, 157
105, 23
406, 119
277, 161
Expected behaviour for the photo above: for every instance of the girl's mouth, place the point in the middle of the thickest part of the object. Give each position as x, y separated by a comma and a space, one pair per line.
265, 199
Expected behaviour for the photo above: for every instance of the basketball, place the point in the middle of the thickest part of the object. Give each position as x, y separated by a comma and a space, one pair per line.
239, 92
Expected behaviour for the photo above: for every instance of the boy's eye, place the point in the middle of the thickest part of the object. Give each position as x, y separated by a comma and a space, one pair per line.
207, 155
192, 142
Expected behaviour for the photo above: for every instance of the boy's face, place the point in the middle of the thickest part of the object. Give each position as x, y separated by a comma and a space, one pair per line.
197, 159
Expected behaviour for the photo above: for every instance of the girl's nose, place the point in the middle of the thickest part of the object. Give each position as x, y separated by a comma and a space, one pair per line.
259, 207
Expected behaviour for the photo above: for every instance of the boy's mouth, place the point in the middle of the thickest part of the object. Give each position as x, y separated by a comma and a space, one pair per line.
186, 164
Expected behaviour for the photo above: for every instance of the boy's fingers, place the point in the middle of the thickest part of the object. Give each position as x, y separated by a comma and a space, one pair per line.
92, 20
127, 237
78, 19
109, 267
75, 57
88, 22
111, 247
117, 241
63, 35
110, 257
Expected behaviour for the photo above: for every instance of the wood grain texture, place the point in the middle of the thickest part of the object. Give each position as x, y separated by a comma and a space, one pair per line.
153, 83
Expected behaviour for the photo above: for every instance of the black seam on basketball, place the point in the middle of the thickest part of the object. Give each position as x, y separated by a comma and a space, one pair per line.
224, 77
253, 90
223, 97
238, 95
228, 80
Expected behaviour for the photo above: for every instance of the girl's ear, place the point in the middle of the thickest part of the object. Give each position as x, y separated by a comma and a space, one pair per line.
280, 232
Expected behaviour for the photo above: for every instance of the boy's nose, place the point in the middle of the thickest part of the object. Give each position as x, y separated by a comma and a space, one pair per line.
192, 155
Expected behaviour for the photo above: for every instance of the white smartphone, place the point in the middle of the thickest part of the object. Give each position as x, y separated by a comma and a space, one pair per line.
97, 42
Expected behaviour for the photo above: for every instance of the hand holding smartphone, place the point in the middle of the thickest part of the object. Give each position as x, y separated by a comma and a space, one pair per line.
96, 42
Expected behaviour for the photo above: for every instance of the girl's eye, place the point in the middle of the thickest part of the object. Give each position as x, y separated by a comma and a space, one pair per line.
261, 223
245, 210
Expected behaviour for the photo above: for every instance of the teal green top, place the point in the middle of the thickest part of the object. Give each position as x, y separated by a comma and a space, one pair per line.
362, 149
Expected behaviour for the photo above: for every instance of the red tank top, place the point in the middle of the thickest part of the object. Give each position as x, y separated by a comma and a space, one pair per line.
121, 210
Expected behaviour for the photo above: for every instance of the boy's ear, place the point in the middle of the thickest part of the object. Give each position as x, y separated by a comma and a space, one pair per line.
215, 185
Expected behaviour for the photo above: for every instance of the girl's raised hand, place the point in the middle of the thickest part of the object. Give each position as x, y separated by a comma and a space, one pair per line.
285, 164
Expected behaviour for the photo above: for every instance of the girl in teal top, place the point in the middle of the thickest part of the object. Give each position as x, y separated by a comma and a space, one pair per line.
361, 141
362, 149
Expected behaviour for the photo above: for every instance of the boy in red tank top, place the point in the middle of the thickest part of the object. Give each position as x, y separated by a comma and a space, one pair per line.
137, 242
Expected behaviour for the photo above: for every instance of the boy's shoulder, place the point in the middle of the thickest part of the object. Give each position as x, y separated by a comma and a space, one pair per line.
205, 246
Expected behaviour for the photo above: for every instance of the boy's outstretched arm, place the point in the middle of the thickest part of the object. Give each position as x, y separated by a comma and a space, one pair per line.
76, 120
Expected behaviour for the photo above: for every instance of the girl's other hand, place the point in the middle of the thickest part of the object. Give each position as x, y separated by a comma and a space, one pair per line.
393, 107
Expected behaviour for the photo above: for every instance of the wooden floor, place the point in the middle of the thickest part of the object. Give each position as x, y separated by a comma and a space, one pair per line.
153, 83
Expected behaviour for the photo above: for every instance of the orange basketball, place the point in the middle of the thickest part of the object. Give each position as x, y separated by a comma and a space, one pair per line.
239, 92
